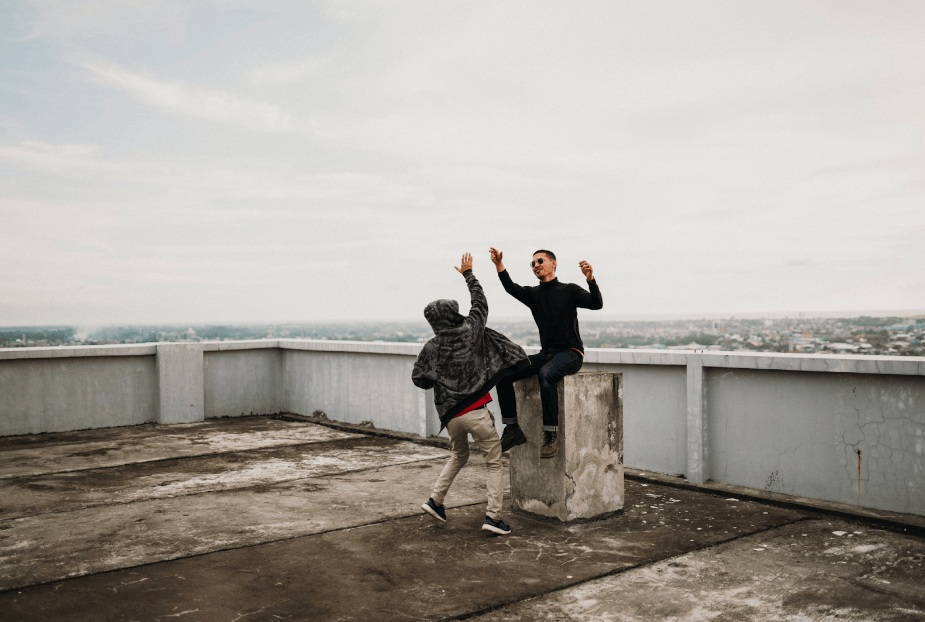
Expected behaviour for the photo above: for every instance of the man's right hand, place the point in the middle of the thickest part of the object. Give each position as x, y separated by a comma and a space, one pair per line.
465, 263
496, 256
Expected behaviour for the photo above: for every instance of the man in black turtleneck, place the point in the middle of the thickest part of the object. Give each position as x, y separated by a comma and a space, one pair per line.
555, 309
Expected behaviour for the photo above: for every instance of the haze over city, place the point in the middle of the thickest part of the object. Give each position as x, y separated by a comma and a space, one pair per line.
306, 161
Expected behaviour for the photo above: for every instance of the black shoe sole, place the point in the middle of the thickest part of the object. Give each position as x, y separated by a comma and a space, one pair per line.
506, 446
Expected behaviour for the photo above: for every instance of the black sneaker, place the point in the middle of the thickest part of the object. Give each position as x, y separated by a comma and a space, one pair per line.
437, 511
512, 436
496, 526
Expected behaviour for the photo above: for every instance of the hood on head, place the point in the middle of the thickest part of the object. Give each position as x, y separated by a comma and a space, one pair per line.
443, 314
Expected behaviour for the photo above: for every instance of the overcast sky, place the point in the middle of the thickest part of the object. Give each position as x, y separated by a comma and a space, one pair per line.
232, 161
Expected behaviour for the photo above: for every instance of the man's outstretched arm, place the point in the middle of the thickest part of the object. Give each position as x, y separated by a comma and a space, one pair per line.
589, 300
496, 256
515, 290
478, 310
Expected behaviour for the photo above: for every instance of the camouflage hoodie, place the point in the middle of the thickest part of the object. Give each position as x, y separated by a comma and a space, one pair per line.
464, 359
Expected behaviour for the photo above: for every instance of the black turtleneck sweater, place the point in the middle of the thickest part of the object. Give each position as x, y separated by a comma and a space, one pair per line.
555, 309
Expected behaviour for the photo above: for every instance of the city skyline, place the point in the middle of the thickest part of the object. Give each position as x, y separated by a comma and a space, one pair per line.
322, 161
864, 335
524, 316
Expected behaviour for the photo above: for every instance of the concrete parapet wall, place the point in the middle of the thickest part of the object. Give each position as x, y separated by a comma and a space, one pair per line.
784, 423
849, 438
356, 384
242, 382
60, 389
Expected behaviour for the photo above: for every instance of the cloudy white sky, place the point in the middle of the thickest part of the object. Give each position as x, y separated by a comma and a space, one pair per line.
231, 161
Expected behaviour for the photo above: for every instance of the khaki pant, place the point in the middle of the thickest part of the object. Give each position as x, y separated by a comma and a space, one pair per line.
481, 425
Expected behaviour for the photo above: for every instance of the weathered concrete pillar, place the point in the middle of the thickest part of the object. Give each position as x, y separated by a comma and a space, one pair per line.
697, 459
585, 479
180, 382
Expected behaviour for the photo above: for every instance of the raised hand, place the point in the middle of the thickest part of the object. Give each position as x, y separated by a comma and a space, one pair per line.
586, 269
496, 256
465, 263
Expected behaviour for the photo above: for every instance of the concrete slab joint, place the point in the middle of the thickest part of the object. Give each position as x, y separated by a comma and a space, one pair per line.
180, 380
585, 480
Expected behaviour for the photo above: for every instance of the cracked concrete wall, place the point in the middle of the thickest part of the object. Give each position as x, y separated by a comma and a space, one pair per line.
848, 438
243, 382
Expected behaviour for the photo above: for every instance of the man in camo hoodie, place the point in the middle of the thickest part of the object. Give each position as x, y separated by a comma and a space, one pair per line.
461, 363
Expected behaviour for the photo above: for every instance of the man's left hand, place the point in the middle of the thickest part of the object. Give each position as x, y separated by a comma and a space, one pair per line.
587, 270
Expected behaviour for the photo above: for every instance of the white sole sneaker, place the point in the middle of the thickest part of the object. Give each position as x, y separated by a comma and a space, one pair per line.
432, 512
493, 529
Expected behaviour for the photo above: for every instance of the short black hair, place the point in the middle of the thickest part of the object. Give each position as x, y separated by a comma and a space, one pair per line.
549, 254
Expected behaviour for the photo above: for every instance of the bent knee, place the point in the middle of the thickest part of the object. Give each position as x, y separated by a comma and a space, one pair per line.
546, 378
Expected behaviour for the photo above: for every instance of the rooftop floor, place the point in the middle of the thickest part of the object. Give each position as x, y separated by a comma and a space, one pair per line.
267, 519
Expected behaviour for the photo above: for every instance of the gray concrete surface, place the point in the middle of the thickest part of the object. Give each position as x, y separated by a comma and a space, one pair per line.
265, 519
584, 479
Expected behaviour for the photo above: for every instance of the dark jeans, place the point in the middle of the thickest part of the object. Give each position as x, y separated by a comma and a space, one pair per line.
548, 367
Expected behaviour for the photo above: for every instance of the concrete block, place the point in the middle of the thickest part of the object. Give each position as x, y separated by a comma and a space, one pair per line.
180, 381
585, 480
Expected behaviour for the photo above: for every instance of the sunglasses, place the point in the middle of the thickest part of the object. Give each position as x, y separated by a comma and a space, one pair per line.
538, 261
